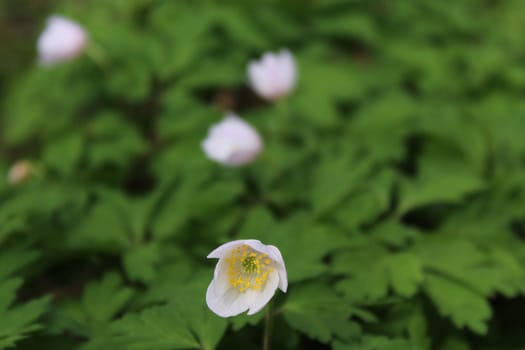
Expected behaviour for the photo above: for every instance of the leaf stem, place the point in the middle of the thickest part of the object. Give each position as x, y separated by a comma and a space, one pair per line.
267, 336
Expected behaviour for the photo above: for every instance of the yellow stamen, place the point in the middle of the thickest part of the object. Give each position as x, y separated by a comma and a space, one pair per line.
248, 269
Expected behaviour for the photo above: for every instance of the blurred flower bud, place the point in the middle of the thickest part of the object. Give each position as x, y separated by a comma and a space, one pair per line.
19, 172
61, 40
232, 142
274, 76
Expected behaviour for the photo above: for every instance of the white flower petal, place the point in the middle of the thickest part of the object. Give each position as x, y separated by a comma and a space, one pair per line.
260, 81
226, 248
222, 298
227, 302
218, 148
281, 268
236, 129
274, 75
61, 40
287, 71
257, 245
232, 142
265, 294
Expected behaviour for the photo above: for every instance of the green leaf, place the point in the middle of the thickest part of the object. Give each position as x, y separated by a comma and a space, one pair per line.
140, 262
394, 234
366, 203
335, 177
238, 25
54, 113
184, 37
303, 253
90, 317
175, 209
207, 327
464, 306
440, 187
383, 124
103, 228
14, 259
345, 24
158, 328
378, 343
64, 153
177, 280
18, 321
317, 311
185, 323
406, 273
461, 276
113, 141
182, 287
370, 280
104, 299
321, 86
485, 270
40, 199
408, 319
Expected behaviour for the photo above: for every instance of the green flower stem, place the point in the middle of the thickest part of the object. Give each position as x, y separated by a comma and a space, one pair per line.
284, 114
278, 127
267, 336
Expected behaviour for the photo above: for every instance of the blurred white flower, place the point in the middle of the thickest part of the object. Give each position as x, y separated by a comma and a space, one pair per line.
19, 172
245, 278
274, 76
61, 40
232, 141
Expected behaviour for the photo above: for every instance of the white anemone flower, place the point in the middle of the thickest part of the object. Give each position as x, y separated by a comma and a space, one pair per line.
274, 75
61, 40
232, 142
246, 277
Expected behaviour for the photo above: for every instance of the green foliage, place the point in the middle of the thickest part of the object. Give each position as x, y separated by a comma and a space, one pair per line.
464, 306
90, 316
319, 312
17, 322
155, 328
391, 178
181, 325
374, 342
18, 319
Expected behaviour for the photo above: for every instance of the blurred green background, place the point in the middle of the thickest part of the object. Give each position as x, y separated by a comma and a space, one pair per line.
392, 178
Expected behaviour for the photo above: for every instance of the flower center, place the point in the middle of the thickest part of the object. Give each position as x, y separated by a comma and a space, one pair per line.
248, 269
250, 264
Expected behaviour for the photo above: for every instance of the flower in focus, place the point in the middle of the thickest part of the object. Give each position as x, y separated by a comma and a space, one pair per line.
232, 141
245, 278
274, 76
19, 172
61, 40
